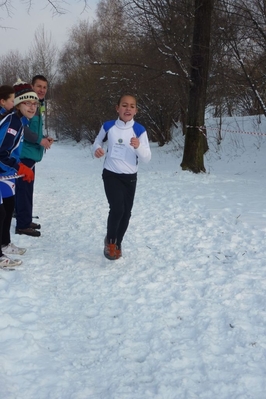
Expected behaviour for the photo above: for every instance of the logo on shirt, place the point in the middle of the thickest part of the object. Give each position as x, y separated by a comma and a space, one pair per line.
120, 141
12, 131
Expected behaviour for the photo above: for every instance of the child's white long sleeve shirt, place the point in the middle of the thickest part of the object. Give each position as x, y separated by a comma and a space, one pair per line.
121, 157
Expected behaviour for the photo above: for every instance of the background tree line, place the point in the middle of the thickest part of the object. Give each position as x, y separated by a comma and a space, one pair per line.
144, 47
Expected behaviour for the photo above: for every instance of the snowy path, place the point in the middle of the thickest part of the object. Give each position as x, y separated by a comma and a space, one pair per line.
181, 316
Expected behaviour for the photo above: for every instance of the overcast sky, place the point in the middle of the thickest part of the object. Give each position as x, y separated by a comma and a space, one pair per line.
22, 25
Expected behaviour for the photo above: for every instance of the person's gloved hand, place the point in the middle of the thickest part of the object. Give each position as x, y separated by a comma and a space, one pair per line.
26, 171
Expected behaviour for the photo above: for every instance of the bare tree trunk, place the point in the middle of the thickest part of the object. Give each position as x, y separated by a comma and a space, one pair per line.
196, 140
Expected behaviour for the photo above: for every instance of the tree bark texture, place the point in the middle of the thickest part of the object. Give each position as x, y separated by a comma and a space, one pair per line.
196, 139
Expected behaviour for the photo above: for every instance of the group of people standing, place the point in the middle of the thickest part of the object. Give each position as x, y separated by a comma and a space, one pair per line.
22, 144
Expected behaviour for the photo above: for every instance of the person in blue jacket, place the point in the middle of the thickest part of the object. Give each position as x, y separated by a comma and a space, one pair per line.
11, 135
32, 152
7, 187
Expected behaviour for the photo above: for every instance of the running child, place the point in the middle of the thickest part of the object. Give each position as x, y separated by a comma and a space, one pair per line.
127, 143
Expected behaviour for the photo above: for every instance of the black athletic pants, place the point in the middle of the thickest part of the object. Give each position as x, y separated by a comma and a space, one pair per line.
24, 198
2, 219
120, 192
9, 205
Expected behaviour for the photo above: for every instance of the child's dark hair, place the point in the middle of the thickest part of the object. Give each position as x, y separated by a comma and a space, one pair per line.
38, 77
124, 95
5, 91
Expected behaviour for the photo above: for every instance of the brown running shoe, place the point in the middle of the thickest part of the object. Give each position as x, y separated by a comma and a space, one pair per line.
28, 232
109, 249
35, 226
118, 251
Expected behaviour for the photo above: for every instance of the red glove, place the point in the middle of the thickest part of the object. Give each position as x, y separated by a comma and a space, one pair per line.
26, 172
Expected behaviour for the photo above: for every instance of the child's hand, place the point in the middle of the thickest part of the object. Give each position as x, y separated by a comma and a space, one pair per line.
134, 142
99, 153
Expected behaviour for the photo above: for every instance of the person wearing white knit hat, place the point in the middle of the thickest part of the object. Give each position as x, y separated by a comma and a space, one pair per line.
31, 153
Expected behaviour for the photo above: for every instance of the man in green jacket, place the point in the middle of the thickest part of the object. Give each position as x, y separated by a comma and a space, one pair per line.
32, 151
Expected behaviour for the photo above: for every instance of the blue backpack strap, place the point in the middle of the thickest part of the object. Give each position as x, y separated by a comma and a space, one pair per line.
138, 129
107, 126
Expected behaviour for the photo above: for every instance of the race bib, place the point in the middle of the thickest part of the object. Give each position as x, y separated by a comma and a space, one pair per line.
119, 151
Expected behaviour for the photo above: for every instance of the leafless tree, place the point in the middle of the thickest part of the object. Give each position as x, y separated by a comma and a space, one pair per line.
11, 68
243, 45
169, 25
110, 65
55, 6
41, 59
42, 56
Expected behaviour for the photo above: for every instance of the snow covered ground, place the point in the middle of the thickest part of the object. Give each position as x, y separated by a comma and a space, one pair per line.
181, 316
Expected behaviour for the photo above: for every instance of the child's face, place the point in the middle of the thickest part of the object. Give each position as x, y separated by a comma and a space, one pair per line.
127, 108
28, 108
9, 103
